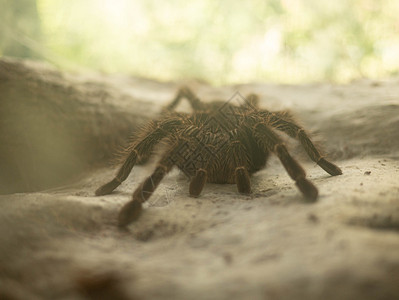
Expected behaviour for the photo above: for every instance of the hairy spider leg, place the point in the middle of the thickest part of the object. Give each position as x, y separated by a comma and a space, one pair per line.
185, 92
240, 160
279, 121
152, 137
131, 211
252, 101
268, 140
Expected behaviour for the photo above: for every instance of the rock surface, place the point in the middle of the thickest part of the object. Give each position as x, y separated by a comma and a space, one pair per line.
64, 244
53, 125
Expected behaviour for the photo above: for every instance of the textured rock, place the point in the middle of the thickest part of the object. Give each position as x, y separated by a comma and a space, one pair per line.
53, 126
64, 243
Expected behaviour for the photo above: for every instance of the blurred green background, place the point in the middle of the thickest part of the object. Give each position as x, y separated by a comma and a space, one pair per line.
219, 41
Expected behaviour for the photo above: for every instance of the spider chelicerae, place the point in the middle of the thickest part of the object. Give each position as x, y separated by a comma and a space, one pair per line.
219, 142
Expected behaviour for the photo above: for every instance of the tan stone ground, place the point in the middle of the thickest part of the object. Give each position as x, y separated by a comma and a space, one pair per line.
61, 243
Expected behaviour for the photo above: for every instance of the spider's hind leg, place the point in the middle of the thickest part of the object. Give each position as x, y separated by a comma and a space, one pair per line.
185, 92
252, 101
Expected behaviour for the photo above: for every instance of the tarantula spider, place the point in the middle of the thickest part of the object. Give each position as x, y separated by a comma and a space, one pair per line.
219, 143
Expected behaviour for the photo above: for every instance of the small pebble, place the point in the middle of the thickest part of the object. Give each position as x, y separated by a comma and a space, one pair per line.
367, 173
313, 218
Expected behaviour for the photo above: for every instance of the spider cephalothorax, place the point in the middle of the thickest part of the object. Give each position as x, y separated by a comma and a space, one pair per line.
220, 143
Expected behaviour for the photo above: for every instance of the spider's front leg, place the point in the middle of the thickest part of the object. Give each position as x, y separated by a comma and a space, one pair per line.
131, 211
283, 122
144, 145
268, 140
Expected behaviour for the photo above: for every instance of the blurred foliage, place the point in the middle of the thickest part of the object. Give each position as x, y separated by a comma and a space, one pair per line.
19, 25
221, 41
